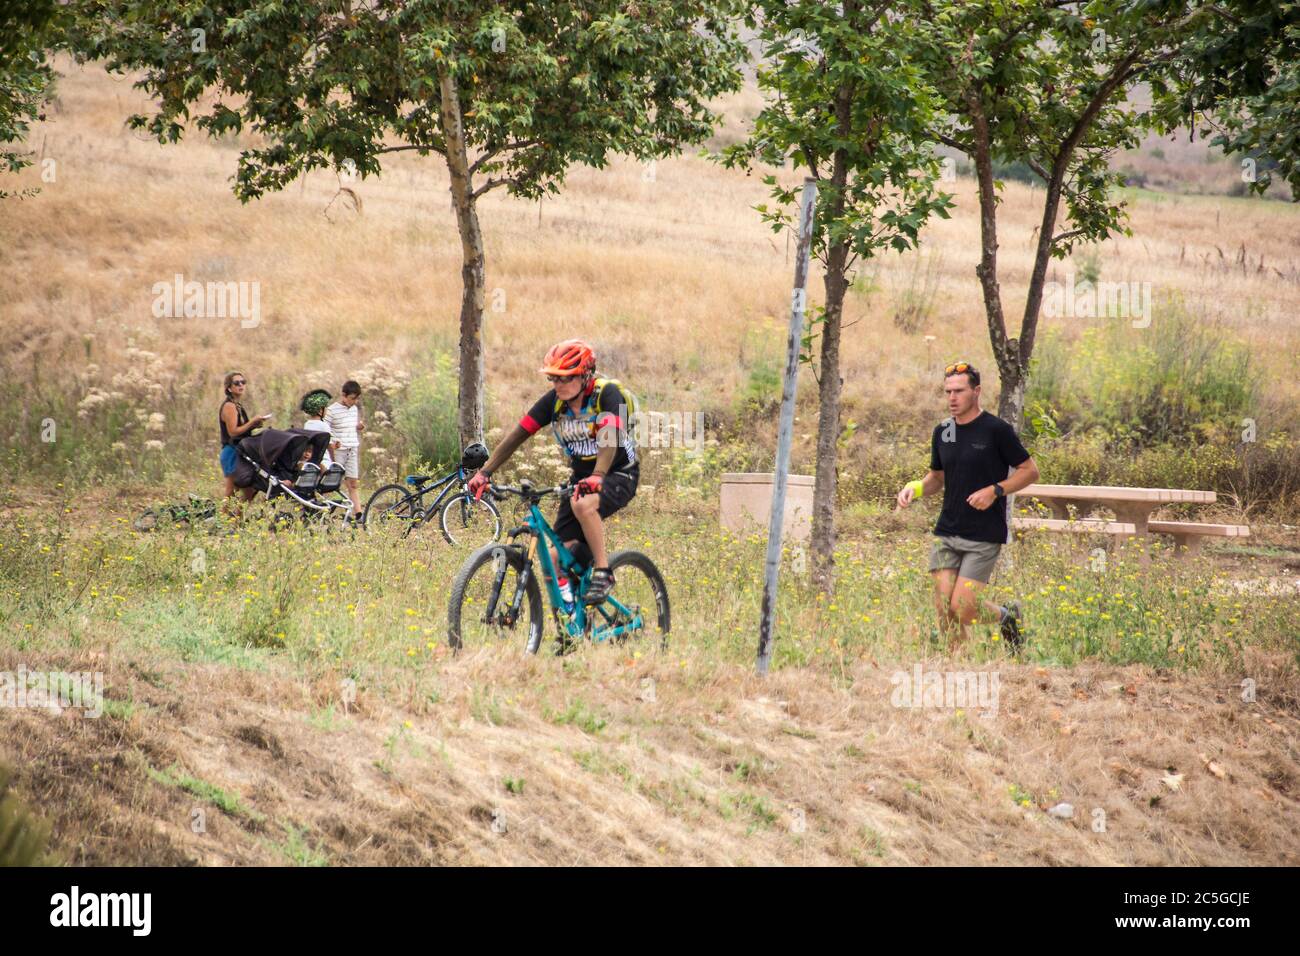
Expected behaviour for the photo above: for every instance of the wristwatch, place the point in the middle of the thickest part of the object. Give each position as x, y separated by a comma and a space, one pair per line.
998, 491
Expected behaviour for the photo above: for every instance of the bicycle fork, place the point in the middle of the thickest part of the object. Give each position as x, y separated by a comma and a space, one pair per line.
510, 615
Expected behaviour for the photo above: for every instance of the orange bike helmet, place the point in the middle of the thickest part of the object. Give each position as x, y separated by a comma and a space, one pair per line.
571, 357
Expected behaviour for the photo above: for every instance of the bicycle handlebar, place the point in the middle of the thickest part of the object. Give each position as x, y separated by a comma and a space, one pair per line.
530, 492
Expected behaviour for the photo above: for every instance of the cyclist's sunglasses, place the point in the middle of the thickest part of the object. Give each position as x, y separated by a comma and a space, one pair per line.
561, 379
956, 368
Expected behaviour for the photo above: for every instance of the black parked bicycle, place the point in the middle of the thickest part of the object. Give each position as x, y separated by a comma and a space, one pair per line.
402, 508
180, 514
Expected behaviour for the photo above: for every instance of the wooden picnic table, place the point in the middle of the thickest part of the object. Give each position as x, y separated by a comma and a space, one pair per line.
1131, 505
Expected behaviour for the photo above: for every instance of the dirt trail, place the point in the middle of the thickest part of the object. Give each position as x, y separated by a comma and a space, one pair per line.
610, 760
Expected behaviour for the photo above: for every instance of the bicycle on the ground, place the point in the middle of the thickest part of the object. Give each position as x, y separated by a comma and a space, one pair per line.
496, 594
422, 499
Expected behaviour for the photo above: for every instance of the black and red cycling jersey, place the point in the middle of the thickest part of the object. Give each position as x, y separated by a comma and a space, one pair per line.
604, 402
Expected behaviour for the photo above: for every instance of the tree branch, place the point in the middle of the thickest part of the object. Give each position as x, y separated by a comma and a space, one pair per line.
493, 184
1121, 72
498, 150
440, 150
1063, 236
811, 159
954, 144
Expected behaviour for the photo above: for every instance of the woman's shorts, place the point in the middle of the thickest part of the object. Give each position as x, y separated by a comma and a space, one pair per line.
615, 492
229, 458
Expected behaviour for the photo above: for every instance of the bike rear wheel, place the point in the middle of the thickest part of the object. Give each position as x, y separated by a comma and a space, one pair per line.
467, 522
391, 509
638, 607
494, 567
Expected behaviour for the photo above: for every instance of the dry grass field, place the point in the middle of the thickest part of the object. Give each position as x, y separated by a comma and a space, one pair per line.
222, 686
666, 269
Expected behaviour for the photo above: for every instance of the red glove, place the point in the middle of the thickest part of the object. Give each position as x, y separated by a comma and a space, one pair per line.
590, 485
479, 484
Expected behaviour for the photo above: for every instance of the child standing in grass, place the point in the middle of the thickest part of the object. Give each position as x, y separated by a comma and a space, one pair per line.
345, 424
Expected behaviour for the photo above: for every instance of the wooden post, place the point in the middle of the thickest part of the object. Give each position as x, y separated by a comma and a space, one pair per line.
785, 430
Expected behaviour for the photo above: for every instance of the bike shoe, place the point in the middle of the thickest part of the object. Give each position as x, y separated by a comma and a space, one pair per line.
602, 582
1010, 628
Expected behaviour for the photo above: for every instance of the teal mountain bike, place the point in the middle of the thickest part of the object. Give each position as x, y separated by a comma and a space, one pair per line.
496, 596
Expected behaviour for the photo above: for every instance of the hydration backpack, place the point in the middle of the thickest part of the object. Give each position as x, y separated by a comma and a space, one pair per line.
631, 413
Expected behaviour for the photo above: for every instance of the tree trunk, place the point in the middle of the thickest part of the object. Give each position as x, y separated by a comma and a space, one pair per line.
1006, 351
828, 424
828, 415
1011, 403
469, 416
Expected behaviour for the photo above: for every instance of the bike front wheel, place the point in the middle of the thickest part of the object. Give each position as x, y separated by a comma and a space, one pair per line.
466, 521
487, 606
638, 607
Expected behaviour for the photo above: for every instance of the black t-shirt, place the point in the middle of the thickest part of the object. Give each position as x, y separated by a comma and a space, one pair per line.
576, 433
971, 457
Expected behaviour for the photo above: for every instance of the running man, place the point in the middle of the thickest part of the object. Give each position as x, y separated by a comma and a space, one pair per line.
589, 419
977, 459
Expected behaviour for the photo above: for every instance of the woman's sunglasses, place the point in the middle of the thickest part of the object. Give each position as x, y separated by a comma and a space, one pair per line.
238, 382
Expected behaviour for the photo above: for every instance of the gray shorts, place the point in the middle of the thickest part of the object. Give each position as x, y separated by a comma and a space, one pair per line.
349, 456
973, 560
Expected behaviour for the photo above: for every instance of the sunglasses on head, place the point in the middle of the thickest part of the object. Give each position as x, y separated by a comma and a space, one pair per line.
956, 368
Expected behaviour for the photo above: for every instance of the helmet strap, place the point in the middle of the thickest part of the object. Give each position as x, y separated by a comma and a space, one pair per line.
590, 385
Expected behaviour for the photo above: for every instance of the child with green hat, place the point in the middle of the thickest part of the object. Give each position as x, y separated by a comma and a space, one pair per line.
314, 404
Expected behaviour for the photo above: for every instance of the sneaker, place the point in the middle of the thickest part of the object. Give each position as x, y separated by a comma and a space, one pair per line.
1010, 627
602, 582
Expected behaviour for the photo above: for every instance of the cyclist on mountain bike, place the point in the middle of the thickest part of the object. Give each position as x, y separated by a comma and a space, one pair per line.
589, 419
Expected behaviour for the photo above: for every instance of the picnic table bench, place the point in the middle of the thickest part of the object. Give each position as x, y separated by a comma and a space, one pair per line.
1133, 508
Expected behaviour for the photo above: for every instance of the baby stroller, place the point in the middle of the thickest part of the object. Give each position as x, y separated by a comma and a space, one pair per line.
271, 462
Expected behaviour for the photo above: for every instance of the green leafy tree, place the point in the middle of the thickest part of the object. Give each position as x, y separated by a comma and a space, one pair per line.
849, 106
1240, 82
1050, 85
509, 93
29, 29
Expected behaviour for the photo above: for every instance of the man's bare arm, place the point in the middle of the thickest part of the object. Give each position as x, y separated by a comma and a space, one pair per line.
1026, 474
514, 438
607, 442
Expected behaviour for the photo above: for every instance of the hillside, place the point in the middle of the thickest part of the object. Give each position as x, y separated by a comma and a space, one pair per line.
525, 762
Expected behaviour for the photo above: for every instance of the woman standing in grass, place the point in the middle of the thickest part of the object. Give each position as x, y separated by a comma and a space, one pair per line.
235, 424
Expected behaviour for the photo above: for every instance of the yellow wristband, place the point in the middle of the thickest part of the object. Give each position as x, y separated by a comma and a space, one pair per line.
917, 491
